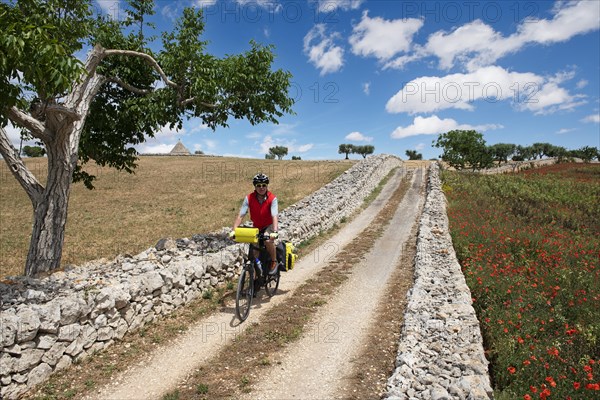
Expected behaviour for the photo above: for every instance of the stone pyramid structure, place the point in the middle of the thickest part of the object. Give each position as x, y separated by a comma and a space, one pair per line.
180, 150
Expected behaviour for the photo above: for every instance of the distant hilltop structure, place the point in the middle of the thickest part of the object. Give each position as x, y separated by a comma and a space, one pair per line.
180, 150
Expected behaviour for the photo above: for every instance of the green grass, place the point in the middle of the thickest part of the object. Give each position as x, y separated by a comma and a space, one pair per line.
529, 248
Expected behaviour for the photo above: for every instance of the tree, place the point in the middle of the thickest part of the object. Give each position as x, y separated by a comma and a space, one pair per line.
95, 110
296, 158
523, 153
558, 152
269, 156
33, 151
502, 151
278, 151
464, 149
413, 155
364, 150
346, 149
586, 153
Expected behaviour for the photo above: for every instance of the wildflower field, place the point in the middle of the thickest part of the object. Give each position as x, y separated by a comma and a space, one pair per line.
529, 246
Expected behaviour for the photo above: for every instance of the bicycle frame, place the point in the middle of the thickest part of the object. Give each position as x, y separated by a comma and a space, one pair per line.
251, 279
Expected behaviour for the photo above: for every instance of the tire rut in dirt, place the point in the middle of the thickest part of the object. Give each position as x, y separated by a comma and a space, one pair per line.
244, 362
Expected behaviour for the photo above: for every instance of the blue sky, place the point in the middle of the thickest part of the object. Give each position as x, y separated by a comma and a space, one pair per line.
394, 74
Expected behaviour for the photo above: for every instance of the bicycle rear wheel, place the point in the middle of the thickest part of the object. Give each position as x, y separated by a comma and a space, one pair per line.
272, 283
245, 291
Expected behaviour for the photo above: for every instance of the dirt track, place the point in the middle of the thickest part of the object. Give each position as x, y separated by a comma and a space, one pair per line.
316, 365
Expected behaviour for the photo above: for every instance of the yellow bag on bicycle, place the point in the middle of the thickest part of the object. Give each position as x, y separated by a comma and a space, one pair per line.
286, 255
246, 235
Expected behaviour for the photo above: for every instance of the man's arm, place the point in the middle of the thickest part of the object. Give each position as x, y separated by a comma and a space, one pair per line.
242, 213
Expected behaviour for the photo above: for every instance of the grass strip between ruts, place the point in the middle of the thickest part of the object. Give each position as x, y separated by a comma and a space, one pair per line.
89, 374
245, 360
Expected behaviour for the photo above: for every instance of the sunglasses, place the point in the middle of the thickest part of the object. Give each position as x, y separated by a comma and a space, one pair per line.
260, 185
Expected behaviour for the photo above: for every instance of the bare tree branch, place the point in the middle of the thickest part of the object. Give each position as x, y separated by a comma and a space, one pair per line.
193, 99
26, 179
149, 59
154, 64
35, 127
127, 86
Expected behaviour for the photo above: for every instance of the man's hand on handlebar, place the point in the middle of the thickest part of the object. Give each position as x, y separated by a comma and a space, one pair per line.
273, 235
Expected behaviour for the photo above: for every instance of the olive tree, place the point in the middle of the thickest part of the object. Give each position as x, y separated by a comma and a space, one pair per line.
346, 149
278, 151
464, 148
120, 95
365, 150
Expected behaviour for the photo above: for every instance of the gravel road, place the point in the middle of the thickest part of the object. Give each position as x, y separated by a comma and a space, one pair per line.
317, 366
314, 366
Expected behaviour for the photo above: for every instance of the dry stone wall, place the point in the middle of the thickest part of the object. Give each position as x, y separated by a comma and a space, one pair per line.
47, 324
440, 354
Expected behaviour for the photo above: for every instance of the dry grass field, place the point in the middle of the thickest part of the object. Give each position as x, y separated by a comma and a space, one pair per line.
166, 197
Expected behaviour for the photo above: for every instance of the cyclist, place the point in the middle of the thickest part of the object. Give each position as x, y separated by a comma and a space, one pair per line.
262, 205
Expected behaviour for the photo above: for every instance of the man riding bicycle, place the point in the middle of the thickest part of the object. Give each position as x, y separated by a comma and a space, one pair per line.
262, 205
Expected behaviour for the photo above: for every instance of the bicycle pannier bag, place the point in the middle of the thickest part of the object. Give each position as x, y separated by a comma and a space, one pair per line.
286, 256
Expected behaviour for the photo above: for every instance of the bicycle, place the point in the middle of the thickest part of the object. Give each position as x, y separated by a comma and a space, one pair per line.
252, 278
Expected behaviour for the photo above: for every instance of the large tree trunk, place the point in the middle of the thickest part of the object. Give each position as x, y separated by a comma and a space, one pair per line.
50, 212
60, 130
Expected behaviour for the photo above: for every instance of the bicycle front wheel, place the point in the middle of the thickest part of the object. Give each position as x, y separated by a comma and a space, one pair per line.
245, 291
272, 284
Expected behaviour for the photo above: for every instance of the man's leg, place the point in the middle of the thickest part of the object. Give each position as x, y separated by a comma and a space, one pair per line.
270, 245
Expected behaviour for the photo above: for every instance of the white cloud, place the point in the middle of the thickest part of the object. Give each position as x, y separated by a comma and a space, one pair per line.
161, 148
358, 137
167, 133
210, 144
526, 91
367, 88
383, 38
112, 8
420, 146
254, 135
205, 3
304, 148
163, 141
14, 136
434, 125
292, 146
284, 129
564, 130
322, 51
199, 128
477, 44
582, 83
332, 5
592, 118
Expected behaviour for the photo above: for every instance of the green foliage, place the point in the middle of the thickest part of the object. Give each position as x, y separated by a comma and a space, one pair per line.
33, 151
528, 247
586, 153
346, 149
502, 151
38, 41
203, 86
464, 149
363, 150
296, 158
278, 151
414, 155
